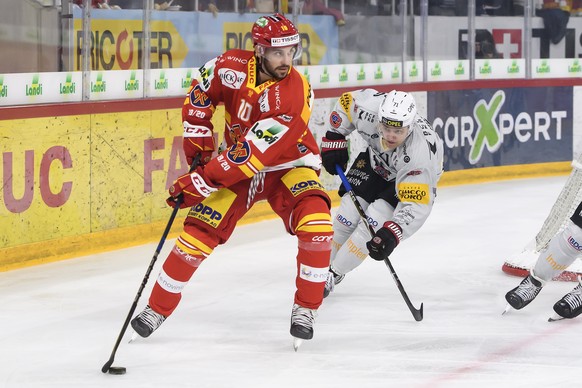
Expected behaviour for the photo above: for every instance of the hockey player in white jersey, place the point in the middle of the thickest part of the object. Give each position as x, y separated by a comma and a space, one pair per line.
394, 179
562, 250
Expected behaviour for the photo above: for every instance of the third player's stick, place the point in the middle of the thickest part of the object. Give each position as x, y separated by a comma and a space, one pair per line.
416, 313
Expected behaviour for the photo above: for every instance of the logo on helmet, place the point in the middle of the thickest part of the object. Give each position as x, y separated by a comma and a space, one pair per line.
391, 123
285, 41
262, 22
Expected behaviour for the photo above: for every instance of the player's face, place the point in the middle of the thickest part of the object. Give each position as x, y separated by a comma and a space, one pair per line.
392, 137
278, 60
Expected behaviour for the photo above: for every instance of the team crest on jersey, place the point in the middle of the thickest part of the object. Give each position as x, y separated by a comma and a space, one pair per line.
335, 119
239, 153
199, 98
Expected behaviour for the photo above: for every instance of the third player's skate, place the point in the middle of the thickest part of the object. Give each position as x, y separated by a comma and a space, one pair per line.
332, 279
570, 306
523, 294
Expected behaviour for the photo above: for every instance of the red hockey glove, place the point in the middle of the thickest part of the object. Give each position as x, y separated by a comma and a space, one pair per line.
334, 150
192, 188
385, 240
198, 140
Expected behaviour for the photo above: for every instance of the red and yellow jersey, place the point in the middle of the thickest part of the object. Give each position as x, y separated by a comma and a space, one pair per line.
266, 125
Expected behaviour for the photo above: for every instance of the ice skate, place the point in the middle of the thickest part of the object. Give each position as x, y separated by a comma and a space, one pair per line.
146, 322
570, 306
331, 281
523, 294
302, 319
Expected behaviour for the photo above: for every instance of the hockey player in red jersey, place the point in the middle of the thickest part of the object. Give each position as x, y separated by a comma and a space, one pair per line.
270, 155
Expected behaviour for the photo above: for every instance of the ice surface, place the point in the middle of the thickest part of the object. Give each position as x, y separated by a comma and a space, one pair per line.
59, 322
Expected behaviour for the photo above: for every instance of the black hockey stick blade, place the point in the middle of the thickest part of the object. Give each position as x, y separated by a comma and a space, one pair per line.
416, 313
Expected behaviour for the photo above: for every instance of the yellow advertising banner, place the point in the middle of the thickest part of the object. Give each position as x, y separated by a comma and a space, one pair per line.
45, 179
117, 44
70, 180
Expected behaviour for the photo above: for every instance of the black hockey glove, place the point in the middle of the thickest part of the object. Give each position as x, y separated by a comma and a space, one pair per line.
385, 240
334, 150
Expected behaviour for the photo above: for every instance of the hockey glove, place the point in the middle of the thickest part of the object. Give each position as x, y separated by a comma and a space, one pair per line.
334, 150
198, 140
385, 240
192, 188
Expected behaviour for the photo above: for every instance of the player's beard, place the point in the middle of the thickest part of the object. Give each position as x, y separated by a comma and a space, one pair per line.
278, 73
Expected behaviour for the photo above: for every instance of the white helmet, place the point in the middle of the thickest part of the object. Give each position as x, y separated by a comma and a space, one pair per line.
397, 110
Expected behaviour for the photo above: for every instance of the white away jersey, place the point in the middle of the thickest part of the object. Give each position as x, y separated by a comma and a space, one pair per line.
415, 166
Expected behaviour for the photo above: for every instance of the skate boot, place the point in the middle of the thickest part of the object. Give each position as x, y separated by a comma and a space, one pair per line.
302, 320
332, 279
146, 322
523, 294
570, 306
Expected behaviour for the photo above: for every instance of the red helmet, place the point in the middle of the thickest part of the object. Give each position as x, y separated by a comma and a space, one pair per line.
275, 31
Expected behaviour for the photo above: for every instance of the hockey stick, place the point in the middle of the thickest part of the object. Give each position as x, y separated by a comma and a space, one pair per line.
107, 366
416, 313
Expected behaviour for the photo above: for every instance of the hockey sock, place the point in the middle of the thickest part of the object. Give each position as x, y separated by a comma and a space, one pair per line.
314, 232
182, 262
562, 250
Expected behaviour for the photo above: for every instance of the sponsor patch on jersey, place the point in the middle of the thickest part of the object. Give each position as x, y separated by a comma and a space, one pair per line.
414, 192
264, 105
212, 210
367, 116
231, 79
199, 98
207, 74
301, 180
345, 102
335, 120
265, 133
313, 274
239, 153
303, 186
286, 118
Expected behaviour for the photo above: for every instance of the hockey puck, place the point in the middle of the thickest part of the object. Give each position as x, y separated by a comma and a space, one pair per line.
117, 370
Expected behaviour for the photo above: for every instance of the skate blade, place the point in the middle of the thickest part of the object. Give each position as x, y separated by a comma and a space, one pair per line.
507, 308
297, 343
555, 318
134, 335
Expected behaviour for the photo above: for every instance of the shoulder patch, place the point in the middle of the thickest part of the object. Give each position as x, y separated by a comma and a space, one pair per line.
335, 120
239, 153
199, 98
